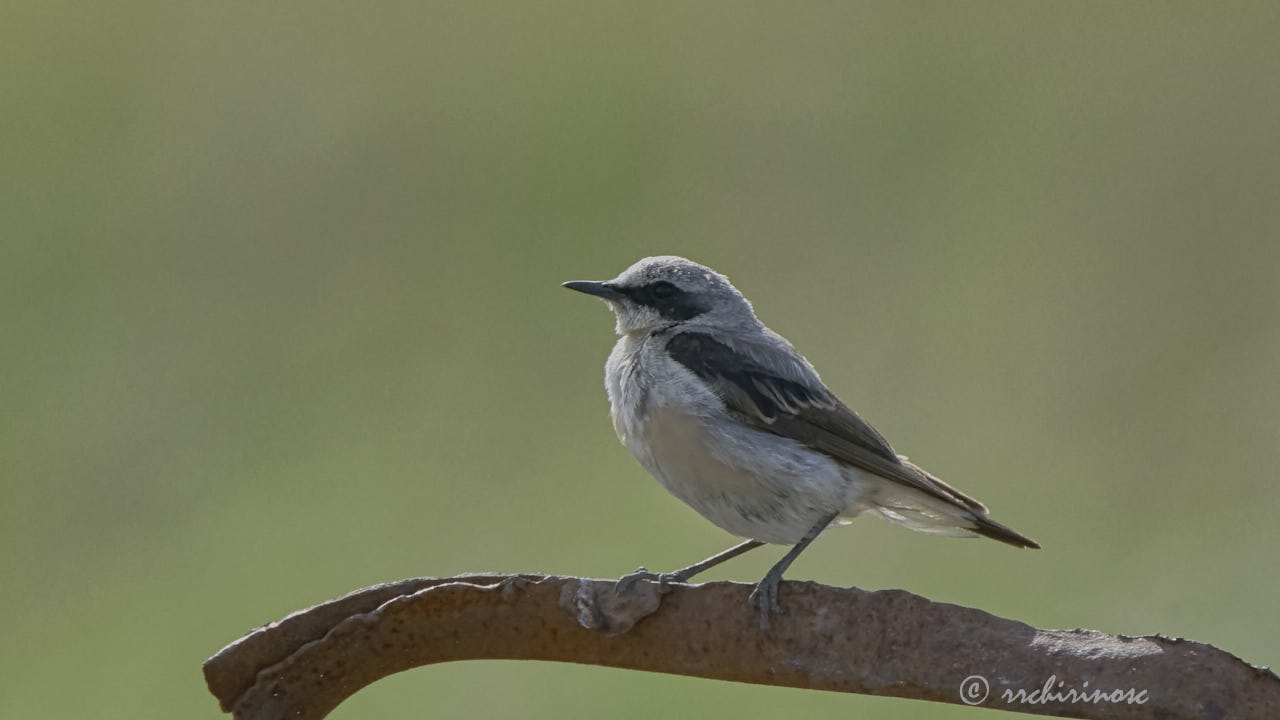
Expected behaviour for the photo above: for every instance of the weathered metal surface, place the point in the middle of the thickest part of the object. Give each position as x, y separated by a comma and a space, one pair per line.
881, 643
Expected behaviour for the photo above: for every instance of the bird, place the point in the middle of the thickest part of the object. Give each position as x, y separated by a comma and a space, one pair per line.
732, 420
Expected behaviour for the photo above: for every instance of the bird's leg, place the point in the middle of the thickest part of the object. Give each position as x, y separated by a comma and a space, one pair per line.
765, 597
627, 582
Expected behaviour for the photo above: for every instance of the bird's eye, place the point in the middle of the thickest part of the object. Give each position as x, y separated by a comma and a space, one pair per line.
663, 290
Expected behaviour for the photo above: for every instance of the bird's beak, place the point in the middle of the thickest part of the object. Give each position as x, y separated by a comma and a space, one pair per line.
601, 290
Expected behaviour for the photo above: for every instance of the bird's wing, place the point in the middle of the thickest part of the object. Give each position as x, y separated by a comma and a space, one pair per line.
783, 395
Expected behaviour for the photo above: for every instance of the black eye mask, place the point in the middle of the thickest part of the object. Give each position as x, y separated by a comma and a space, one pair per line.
668, 299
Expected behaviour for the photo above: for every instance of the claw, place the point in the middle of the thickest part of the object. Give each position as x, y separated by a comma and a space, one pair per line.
627, 583
765, 599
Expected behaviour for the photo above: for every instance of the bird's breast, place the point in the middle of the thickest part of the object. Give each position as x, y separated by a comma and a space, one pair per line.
627, 388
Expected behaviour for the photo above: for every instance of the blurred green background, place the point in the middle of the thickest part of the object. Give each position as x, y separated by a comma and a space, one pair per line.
282, 314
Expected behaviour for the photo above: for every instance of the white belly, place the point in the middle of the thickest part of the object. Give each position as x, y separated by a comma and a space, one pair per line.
749, 483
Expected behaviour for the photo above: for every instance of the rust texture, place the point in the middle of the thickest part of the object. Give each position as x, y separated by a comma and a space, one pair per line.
888, 642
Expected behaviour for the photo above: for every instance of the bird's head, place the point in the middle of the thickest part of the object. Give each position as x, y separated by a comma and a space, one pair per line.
666, 290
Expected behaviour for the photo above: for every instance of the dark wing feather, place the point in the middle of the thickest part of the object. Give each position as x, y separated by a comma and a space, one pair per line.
802, 411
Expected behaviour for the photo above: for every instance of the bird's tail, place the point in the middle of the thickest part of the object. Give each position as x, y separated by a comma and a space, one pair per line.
930, 514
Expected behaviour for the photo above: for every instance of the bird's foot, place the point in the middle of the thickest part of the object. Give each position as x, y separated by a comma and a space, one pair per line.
627, 583
765, 598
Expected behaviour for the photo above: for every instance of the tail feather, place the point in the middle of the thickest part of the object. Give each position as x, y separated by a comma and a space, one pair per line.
987, 527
